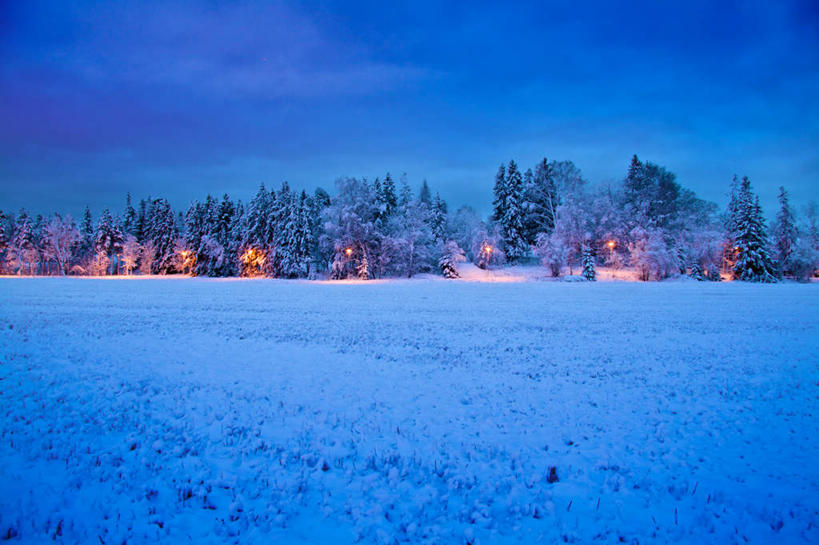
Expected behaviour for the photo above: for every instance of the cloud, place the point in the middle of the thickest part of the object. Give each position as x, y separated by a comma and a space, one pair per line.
258, 51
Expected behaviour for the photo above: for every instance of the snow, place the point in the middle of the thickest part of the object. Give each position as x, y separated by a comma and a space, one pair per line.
419, 411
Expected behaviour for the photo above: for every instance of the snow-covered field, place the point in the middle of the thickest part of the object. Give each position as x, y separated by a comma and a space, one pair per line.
425, 411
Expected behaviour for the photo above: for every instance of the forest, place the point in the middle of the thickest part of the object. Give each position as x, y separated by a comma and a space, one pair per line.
548, 214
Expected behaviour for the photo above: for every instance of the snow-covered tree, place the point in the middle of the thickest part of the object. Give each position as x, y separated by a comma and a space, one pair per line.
752, 260
350, 233
21, 254
804, 259
451, 255
500, 192
438, 218
147, 256
511, 221
130, 254
129, 217
486, 248
87, 232
588, 264
61, 238
142, 221
785, 233
650, 255
387, 197
99, 264
108, 237
425, 195
541, 199
160, 230
5, 239
295, 261
553, 252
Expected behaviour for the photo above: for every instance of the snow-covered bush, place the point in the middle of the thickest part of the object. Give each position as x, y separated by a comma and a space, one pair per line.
552, 251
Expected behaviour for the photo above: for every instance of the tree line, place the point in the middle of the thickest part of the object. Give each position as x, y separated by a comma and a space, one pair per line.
376, 229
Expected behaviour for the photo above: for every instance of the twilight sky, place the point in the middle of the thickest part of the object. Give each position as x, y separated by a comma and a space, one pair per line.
185, 98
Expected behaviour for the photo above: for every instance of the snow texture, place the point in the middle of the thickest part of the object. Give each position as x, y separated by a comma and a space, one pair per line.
422, 411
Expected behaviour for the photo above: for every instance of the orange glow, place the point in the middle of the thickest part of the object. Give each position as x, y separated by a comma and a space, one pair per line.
253, 255
487, 249
610, 244
349, 252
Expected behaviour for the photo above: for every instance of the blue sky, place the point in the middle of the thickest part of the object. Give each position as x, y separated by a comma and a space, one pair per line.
182, 99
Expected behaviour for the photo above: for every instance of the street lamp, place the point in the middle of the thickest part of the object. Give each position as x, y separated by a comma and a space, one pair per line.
611, 245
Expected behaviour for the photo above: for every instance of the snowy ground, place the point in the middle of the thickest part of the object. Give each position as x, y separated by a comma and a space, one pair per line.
426, 411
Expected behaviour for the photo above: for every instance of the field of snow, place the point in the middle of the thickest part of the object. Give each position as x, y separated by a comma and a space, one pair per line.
425, 411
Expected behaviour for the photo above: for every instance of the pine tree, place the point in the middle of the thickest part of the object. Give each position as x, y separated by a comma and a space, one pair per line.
22, 254
108, 236
785, 233
696, 272
87, 233
388, 195
511, 221
500, 193
296, 239
129, 218
141, 222
160, 231
405, 193
5, 238
753, 263
588, 264
438, 218
425, 196
541, 201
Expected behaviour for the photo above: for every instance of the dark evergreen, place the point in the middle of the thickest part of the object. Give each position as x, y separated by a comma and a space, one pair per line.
129, 217
785, 234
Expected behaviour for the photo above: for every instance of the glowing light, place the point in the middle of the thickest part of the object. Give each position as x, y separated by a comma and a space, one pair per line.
349, 252
252, 255
487, 249
610, 244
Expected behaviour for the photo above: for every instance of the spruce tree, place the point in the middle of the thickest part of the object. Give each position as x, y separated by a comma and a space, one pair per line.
141, 222
753, 262
388, 195
129, 218
541, 200
108, 237
4, 237
160, 233
500, 192
438, 218
588, 264
87, 233
405, 193
511, 221
425, 195
785, 233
